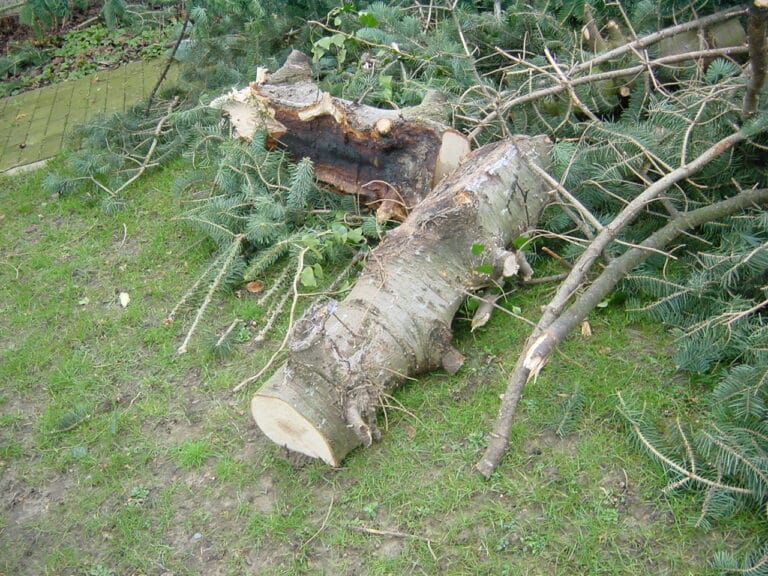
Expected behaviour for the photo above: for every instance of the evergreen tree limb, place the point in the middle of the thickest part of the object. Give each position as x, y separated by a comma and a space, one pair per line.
757, 23
232, 252
146, 162
192, 290
635, 47
568, 87
512, 101
484, 88
609, 233
586, 215
556, 324
687, 474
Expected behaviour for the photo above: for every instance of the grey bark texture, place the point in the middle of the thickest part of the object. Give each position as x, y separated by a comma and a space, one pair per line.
344, 357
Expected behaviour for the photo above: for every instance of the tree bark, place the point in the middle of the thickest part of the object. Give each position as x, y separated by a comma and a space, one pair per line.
390, 158
758, 56
345, 357
557, 321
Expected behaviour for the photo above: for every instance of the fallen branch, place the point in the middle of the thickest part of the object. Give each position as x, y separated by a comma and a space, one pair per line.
556, 323
392, 533
636, 47
227, 259
146, 162
169, 62
291, 315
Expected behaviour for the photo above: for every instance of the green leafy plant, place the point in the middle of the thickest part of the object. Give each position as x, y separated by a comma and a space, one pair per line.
49, 15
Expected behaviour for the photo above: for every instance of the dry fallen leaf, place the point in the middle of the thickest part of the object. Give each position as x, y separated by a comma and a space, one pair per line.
124, 299
254, 286
586, 329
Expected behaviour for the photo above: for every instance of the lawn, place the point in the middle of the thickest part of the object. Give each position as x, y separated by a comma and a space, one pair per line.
120, 457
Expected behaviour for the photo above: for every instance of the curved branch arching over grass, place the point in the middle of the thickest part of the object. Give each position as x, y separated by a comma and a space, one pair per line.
557, 322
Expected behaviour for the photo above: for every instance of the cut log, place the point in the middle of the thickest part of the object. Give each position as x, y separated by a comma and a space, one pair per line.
390, 158
344, 358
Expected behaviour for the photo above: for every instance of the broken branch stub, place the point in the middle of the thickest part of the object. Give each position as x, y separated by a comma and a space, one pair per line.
344, 357
390, 158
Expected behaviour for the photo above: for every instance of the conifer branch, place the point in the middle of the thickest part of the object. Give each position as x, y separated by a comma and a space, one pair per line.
492, 99
556, 322
573, 201
275, 311
735, 454
625, 217
192, 290
232, 252
146, 162
275, 285
686, 473
223, 338
568, 87
510, 101
169, 62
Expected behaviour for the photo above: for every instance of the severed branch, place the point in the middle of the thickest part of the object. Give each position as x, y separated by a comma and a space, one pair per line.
227, 259
291, 316
557, 322
147, 162
635, 47
688, 474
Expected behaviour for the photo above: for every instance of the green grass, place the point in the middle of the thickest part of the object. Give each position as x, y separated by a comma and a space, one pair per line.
118, 456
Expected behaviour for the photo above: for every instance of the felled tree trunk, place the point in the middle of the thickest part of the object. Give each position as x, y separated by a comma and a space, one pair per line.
389, 158
344, 357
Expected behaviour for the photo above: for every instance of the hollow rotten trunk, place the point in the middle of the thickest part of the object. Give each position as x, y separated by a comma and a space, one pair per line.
391, 159
344, 357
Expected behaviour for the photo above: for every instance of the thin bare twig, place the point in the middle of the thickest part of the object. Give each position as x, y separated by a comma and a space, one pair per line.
563, 191
322, 526
367, 530
292, 313
637, 47
497, 307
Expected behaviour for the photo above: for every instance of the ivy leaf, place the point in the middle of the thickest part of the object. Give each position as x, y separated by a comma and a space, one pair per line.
477, 249
308, 277
484, 269
368, 20
355, 235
